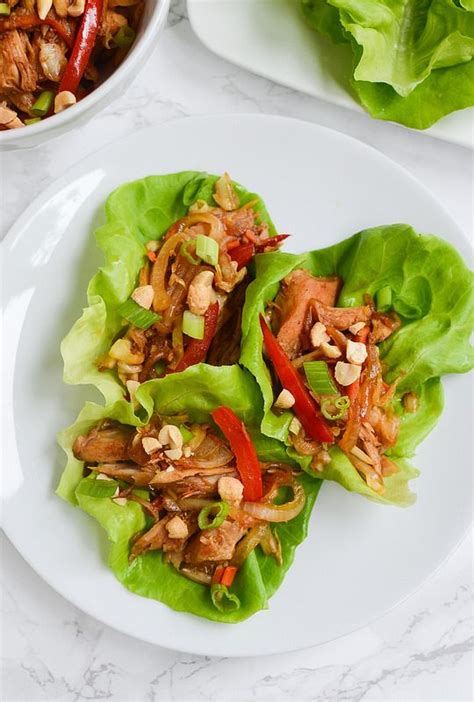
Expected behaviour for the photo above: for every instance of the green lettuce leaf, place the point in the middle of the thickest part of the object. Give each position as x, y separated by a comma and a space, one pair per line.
412, 60
195, 392
136, 212
403, 41
431, 292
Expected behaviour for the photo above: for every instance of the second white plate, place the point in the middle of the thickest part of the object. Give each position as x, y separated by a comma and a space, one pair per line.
360, 558
271, 38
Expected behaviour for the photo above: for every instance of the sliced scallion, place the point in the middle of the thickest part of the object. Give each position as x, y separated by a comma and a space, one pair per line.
319, 379
186, 434
223, 600
383, 299
124, 37
213, 515
184, 251
33, 120
4, 9
193, 325
207, 249
136, 315
43, 104
335, 409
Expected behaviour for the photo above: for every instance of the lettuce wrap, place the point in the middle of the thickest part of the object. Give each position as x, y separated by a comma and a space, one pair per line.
432, 295
195, 392
412, 61
136, 213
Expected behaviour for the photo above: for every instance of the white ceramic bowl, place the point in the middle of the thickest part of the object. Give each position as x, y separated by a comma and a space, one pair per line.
154, 17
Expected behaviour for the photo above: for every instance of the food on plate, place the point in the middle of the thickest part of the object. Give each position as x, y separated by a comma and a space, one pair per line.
202, 515
170, 295
413, 62
55, 52
356, 337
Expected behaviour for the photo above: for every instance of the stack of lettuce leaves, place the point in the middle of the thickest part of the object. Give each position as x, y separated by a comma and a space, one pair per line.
432, 294
413, 60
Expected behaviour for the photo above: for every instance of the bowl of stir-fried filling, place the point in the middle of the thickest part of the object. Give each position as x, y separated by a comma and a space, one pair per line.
61, 60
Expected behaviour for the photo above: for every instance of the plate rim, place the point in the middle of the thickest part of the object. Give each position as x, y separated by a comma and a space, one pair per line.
17, 230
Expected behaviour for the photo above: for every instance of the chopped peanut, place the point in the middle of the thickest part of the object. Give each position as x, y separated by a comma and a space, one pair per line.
318, 335
346, 373
230, 489
63, 100
150, 444
330, 351
355, 328
177, 528
200, 293
356, 352
171, 436
285, 400
143, 296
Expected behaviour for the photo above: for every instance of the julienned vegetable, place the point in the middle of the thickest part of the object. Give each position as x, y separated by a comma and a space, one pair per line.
305, 407
413, 62
83, 45
42, 104
197, 349
248, 466
168, 496
377, 358
207, 249
193, 325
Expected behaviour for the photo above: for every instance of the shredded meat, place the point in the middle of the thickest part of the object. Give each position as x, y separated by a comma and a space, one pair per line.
18, 65
225, 347
216, 545
383, 326
341, 317
298, 289
104, 444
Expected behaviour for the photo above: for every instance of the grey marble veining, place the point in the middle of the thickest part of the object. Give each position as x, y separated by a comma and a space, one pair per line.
422, 650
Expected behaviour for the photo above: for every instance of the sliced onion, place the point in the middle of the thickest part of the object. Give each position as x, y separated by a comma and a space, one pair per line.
196, 576
269, 512
248, 544
216, 228
225, 195
211, 453
164, 477
158, 274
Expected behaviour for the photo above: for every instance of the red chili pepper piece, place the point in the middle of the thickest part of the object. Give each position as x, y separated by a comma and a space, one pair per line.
273, 242
305, 407
83, 45
197, 349
32, 21
248, 466
243, 254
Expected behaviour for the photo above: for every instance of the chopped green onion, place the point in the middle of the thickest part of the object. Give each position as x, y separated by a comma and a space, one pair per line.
33, 120
341, 405
223, 600
160, 368
383, 299
213, 515
207, 249
319, 379
136, 315
4, 8
193, 325
124, 37
92, 487
184, 251
43, 104
186, 434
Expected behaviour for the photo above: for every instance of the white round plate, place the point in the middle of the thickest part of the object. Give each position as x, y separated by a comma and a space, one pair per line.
360, 558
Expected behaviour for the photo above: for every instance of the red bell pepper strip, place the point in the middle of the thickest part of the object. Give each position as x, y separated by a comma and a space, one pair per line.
83, 45
352, 390
305, 407
197, 349
32, 21
248, 466
224, 575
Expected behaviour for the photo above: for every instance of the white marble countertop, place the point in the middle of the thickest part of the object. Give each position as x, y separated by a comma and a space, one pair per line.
422, 650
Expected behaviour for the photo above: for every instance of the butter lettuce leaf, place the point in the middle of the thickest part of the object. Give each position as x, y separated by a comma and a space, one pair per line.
412, 59
136, 212
195, 392
432, 294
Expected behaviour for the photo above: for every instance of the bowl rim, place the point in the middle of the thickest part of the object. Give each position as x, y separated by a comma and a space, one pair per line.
59, 121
